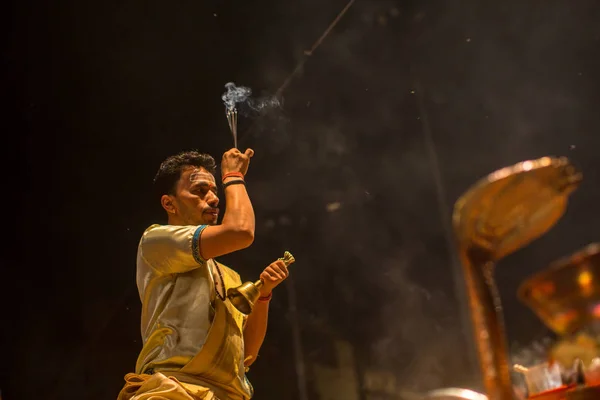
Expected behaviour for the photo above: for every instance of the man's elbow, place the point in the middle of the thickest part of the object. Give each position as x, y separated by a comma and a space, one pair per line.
240, 234
244, 236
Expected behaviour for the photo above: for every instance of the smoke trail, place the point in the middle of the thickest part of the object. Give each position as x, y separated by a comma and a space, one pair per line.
235, 95
240, 98
535, 353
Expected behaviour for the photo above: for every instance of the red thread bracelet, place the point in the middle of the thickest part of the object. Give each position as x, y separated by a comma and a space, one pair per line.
232, 174
266, 298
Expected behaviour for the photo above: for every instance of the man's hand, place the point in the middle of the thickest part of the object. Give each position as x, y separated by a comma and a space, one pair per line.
256, 324
235, 161
272, 276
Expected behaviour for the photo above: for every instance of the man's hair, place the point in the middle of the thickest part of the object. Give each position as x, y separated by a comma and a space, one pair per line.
169, 172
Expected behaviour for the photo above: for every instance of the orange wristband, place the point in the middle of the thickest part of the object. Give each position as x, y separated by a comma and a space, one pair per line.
232, 175
266, 298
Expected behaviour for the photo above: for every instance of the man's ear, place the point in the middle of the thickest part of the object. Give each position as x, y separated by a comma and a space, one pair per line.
168, 204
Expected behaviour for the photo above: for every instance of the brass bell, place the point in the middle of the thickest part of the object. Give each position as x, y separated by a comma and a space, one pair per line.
244, 297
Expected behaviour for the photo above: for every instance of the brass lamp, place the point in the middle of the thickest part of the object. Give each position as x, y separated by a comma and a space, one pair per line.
500, 214
566, 296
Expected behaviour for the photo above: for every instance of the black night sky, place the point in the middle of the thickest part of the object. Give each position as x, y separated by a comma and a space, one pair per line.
101, 92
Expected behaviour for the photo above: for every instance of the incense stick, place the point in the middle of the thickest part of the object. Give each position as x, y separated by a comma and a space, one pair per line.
231, 115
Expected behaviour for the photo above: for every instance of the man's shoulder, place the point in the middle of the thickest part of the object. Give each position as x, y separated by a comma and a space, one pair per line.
164, 230
154, 227
146, 231
160, 228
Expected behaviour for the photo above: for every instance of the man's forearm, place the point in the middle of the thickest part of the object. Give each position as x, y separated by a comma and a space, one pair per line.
255, 331
239, 212
236, 232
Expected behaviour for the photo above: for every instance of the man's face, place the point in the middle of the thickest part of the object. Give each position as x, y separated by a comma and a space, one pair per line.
196, 198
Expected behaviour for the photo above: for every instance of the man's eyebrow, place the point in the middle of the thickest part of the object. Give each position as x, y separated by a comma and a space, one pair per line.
203, 183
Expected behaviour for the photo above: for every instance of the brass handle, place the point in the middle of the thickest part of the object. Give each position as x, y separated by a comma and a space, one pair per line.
288, 258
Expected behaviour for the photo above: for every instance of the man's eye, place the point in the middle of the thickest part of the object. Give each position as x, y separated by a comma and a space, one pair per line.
203, 191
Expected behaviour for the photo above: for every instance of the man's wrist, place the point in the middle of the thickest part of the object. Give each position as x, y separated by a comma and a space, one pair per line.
266, 298
234, 181
232, 176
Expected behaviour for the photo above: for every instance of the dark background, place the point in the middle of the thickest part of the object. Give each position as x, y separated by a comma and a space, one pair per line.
101, 92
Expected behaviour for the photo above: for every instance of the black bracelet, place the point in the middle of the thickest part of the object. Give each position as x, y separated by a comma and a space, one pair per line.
234, 182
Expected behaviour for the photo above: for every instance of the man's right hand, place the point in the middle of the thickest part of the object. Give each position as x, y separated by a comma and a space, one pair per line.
235, 161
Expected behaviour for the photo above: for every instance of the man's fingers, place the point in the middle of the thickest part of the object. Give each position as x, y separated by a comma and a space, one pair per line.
275, 273
283, 268
268, 276
280, 267
249, 152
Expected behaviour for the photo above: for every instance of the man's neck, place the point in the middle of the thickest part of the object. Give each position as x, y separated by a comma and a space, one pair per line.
173, 220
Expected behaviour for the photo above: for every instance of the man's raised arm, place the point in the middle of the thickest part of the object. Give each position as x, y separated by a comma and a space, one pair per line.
236, 231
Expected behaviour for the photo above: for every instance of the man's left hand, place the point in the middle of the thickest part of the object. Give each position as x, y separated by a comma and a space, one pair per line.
272, 276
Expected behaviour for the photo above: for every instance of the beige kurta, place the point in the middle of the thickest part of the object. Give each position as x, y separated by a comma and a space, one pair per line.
190, 335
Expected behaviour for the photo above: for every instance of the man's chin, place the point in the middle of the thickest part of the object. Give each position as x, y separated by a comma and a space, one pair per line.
210, 220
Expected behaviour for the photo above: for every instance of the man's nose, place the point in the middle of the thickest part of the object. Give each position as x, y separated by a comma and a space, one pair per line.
213, 200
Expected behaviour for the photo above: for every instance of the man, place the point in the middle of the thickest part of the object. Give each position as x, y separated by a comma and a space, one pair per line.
196, 344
